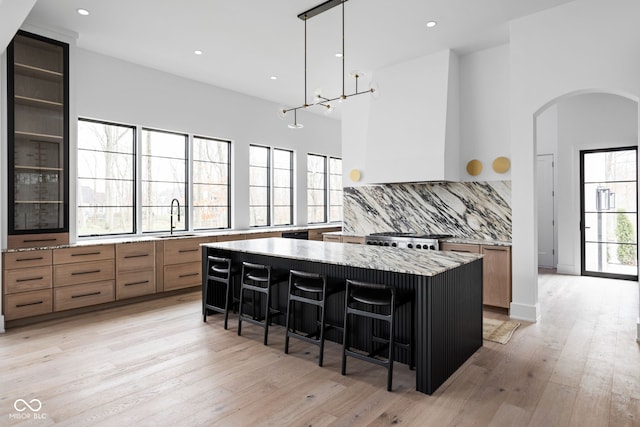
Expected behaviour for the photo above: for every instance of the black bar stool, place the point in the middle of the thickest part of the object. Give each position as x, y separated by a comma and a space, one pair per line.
371, 300
313, 289
220, 272
259, 279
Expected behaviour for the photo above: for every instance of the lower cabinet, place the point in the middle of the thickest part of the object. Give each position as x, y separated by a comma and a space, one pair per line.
27, 304
496, 271
181, 263
83, 276
27, 284
135, 269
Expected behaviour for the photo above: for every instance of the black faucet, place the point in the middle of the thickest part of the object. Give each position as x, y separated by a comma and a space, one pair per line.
177, 203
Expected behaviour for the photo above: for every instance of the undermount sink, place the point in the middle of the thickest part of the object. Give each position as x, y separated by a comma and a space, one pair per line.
172, 236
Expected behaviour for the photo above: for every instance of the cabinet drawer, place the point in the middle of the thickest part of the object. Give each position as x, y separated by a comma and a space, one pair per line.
264, 234
37, 240
76, 296
135, 256
27, 279
460, 247
330, 238
26, 304
82, 253
82, 272
27, 259
182, 276
136, 283
353, 239
182, 250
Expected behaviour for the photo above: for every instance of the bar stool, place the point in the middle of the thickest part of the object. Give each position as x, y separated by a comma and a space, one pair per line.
220, 271
259, 279
312, 289
368, 300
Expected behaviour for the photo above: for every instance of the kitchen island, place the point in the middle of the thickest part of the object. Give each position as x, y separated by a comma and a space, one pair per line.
447, 289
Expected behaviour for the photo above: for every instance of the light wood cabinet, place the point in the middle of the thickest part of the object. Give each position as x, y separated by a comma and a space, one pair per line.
353, 239
83, 276
496, 271
27, 283
178, 265
38, 141
496, 276
135, 269
332, 238
316, 233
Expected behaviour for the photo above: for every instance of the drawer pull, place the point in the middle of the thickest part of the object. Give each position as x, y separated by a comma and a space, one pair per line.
87, 253
136, 283
188, 250
135, 256
86, 295
494, 249
460, 250
29, 259
77, 273
188, 275
39, 240
29, 279
29, 303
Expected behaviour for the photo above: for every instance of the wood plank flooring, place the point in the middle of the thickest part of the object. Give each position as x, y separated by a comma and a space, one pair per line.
157, 364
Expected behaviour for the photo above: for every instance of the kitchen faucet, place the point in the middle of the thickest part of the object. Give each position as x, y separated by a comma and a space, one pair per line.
171, 213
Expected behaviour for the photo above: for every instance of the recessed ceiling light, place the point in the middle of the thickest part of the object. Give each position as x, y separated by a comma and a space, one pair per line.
83, 12
339, 55
197, 52
431, 24
274, 77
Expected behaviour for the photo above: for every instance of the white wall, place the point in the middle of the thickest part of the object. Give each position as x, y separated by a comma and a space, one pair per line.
484, 111
114, 90
585, 122
581, 46
410, 133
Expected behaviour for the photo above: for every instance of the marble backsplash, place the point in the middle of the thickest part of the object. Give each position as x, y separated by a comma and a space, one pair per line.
474, 210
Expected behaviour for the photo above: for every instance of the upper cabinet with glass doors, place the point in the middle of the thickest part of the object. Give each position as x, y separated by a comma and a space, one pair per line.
38, 135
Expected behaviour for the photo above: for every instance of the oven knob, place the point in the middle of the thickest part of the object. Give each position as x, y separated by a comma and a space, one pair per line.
432, 247
418, 246
386, 243
394, 244
368, 243
410, 245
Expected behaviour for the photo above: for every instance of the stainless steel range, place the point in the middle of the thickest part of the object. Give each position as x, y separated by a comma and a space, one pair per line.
406, 240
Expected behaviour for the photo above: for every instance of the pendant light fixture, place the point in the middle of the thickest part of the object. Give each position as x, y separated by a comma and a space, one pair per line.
319, 99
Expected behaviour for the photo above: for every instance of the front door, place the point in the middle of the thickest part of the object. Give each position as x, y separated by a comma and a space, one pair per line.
609, 206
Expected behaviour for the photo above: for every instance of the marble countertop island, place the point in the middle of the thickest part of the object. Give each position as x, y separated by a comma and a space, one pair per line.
422, 263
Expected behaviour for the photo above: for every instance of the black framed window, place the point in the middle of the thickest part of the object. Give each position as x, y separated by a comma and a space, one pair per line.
163, 178
282, 187
316, 188
259, 186
106, 178
211, 183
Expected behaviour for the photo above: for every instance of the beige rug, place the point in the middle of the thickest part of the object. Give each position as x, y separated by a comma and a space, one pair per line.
499, 331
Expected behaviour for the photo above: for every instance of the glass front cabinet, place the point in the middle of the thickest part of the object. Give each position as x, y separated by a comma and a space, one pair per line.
38, 150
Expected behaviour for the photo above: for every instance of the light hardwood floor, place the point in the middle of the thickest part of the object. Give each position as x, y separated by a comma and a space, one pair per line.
157, 363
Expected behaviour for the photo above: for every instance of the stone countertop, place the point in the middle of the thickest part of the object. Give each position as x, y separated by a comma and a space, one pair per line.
179, 235
342, 233
422, 263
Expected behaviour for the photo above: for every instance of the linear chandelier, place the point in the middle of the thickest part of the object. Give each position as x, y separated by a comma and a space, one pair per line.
319, 99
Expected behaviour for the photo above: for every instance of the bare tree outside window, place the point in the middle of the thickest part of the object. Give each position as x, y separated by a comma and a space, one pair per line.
106, 177
211, 172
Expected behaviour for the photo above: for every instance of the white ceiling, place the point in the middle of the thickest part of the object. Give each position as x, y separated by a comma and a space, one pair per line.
247, 41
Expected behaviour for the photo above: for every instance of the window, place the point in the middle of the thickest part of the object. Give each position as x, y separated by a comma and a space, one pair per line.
316, 188
106, 178
211, 189
259, 184
164, 178
335, 189
282, 187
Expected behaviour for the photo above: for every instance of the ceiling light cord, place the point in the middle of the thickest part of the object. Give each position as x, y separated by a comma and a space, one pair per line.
319, 99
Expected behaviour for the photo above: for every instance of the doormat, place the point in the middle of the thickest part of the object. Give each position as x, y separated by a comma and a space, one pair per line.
499, 331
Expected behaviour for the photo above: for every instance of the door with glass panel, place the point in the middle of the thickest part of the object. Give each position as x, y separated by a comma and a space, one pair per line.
609, 206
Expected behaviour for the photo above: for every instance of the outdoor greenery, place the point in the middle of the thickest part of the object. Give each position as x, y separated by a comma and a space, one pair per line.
625, 234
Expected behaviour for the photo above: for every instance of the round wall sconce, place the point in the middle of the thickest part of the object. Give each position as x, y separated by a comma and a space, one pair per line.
474, 167
355, 175
501, 164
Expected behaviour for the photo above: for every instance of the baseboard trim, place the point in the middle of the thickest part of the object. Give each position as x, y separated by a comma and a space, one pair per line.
569, 269
529, 313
